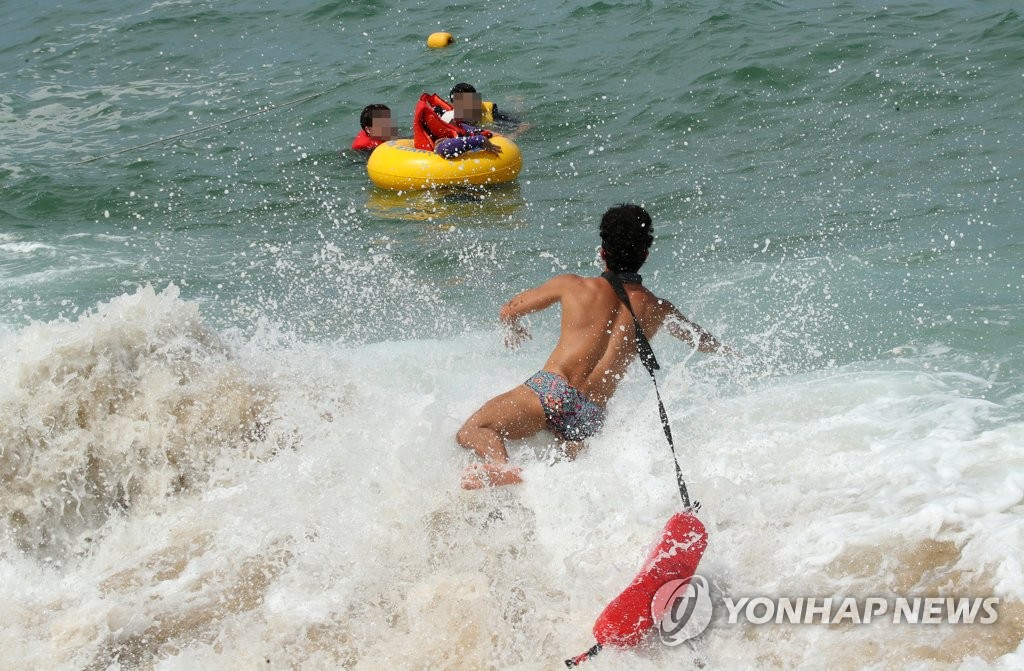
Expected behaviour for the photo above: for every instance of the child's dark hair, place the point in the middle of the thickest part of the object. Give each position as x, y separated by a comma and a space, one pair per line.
366, 117
461, 87
626, 235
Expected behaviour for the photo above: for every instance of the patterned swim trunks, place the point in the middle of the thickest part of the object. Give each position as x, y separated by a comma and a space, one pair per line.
571, 415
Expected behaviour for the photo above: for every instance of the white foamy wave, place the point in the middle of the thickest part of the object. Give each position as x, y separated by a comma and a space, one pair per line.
355, 548
13, 278
114, 411
885, 482
25, 247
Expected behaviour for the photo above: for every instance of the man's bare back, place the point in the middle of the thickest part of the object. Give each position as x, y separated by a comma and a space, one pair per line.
596, 344
595, 347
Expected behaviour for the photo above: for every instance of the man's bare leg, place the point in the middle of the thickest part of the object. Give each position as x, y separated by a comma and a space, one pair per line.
513, 415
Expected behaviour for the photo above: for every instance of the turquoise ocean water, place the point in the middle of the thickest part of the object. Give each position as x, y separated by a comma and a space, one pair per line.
233, 369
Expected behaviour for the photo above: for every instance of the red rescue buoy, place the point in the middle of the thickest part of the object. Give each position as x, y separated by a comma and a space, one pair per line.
628, 617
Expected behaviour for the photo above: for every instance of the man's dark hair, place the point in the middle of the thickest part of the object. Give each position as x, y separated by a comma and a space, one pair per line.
626, 235
366, 117
461, 87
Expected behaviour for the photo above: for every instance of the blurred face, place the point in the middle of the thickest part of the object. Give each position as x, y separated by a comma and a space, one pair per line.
381, 128
467, 107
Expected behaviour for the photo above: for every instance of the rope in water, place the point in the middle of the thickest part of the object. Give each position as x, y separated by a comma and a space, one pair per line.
171, 138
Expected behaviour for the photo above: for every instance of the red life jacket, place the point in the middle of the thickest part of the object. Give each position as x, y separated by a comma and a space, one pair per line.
363, 142
427, 125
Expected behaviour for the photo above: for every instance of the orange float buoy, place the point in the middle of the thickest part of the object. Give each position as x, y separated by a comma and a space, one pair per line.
439, 40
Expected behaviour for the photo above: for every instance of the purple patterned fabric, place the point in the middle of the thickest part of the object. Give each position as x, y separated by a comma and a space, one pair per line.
456, 146
571, 415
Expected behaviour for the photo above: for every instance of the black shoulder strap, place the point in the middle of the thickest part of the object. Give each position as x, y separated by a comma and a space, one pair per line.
643, 345
646, 354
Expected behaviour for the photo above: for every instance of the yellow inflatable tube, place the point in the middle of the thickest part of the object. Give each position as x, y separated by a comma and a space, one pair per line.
398, 166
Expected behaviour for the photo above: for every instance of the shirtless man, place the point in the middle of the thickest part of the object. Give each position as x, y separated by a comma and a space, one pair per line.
597, 343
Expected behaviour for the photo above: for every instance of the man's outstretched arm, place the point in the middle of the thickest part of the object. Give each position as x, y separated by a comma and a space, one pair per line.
528, 302
693, 334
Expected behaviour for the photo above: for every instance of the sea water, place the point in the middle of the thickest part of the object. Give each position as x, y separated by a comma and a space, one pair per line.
233, 370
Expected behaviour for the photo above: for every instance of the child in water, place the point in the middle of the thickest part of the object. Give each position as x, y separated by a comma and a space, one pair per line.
375, 128
468, 107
